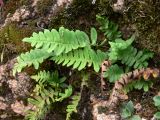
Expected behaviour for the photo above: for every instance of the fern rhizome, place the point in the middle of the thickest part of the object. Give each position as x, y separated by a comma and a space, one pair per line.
77, 50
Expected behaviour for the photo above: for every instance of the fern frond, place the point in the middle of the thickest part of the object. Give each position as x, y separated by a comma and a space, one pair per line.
109, 28
123, 51
93, 36
71, 108
113, 73
62, 41
42, 104
46, 78
34, 57
44, 101
137, 59
80, 58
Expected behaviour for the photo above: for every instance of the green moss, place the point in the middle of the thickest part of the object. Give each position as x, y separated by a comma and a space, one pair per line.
43, 6
145, 16
11, 36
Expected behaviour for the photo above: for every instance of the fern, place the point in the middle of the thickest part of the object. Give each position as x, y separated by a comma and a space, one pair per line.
34, 57
137, 59
80, 58
58, 45
109, 28
71, 108
62, 41
42, 105
49, 89
128, 55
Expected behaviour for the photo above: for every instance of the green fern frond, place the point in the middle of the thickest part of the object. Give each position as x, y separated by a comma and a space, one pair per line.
34, 57
113, 73
42, 104
71, 108
109, 28
80, 58
137, 59
44, 79
62, 41
123, 51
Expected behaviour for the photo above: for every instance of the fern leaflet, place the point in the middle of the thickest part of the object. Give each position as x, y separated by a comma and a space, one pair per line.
66, 94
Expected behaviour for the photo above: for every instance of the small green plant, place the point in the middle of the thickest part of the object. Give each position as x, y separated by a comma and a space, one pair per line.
157, 104
121, 51
49, 89
78, 50
109, 28
69, 48
127, 112
63, 46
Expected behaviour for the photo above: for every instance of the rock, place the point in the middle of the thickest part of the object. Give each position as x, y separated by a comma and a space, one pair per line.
13, 90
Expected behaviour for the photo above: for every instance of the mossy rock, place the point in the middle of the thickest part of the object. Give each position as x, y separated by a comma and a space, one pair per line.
144, 16
81, 14
141, 17
44, 6
12, 5
12, 34
11, 40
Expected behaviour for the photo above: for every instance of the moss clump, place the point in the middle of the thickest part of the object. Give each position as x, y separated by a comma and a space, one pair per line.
44, 6
11, 38
145, 16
